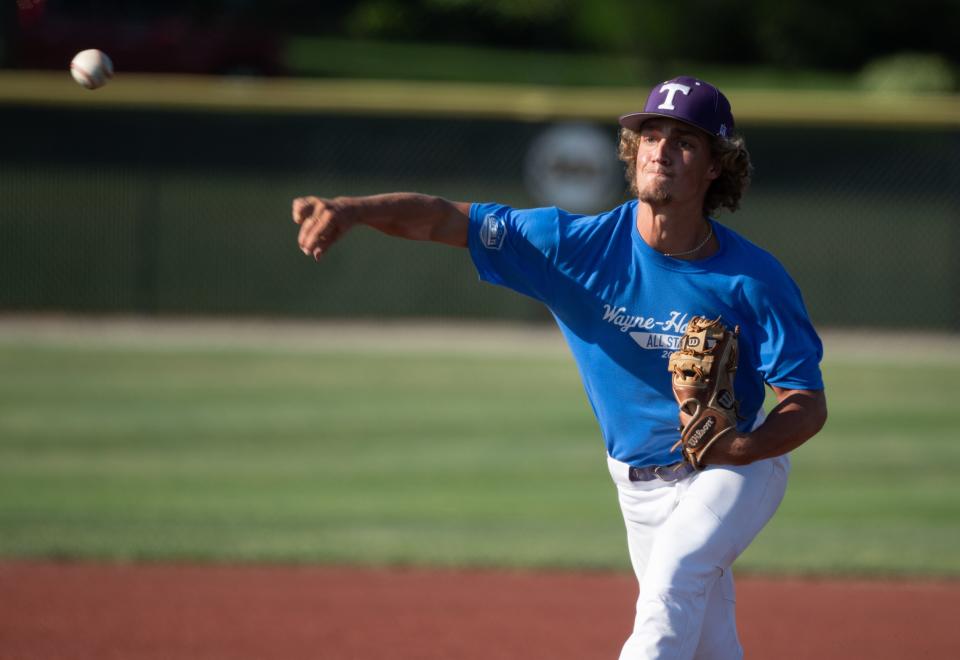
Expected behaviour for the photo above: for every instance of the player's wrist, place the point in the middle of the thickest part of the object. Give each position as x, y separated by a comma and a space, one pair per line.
349, 211
735, 449
741, 449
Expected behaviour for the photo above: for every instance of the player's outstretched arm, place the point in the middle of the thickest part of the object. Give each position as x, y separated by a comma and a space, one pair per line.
405, 215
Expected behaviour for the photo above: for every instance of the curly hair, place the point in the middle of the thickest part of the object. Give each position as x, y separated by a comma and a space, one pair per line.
724, 191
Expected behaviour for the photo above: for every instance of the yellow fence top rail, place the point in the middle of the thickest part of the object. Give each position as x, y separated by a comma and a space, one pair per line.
443, 99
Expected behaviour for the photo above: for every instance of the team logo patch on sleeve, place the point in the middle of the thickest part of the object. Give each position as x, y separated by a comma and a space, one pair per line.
492, 232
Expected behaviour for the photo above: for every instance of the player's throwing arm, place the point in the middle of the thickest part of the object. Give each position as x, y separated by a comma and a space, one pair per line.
413, 216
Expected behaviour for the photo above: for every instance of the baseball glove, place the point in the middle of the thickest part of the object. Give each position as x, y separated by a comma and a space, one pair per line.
703, 369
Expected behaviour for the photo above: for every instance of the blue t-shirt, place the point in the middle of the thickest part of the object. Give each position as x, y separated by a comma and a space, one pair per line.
622, 307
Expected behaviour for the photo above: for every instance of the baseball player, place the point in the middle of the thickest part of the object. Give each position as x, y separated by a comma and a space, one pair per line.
624, 286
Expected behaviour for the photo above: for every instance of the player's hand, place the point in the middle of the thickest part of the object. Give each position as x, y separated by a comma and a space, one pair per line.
322, 223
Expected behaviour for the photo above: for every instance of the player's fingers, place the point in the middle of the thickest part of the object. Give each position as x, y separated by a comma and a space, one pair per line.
318, 233
307, 235
298, 209
302, 235
305, 207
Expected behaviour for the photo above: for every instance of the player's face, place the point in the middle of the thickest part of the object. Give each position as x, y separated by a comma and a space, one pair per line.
674, 163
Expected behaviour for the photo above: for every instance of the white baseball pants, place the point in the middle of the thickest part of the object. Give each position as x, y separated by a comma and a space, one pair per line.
684, 537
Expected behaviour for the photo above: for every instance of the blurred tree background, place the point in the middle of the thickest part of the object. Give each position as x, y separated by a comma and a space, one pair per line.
907, 46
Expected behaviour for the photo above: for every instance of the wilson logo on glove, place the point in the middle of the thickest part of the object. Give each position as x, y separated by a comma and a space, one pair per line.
703, 371
699, 433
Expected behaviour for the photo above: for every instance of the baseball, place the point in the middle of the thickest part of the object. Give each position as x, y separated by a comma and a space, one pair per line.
91, 68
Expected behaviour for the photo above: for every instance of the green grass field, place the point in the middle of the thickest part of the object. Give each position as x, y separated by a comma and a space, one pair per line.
378, 452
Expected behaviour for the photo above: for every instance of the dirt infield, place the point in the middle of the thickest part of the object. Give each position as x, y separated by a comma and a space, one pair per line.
134, 612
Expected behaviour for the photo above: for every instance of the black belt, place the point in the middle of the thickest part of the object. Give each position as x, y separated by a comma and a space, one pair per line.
663, 472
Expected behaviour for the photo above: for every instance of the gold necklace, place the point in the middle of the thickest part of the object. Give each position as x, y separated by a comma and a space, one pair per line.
696, 249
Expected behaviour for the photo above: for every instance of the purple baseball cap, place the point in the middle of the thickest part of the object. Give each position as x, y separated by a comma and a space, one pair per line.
689, 100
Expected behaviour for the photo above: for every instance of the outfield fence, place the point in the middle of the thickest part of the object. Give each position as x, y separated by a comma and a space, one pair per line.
171, 195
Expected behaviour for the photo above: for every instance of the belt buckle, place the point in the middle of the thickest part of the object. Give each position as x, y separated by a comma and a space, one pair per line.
641, 474
674, 471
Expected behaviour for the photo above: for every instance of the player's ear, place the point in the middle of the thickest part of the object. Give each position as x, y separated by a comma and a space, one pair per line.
716, 166
715, 169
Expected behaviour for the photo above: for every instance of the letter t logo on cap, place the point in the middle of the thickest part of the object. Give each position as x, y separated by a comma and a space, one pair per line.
671, 89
